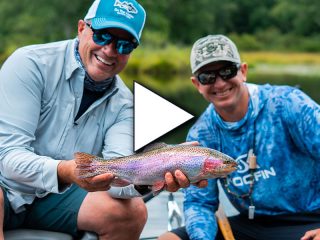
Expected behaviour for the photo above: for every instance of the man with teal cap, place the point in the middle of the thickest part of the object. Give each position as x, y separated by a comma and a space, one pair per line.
63, 98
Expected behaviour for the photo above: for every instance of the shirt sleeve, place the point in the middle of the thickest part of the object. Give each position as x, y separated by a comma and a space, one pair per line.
201, 203
21, 87
303, 117
199, 207
118, 141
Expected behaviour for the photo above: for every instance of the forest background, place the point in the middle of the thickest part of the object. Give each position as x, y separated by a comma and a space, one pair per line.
279, 39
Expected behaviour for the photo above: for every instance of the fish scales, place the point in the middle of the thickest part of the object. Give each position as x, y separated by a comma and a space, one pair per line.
149, 167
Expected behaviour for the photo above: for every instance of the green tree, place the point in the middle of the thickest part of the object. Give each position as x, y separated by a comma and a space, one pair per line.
300, 18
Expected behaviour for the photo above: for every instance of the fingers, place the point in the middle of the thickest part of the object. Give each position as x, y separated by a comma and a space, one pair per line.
67, 175
181, 179
171, 184
106, 177
97, 183
175, 182
201, 184
312, 235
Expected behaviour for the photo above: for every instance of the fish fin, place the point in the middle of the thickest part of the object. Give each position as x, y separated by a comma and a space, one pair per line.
87, 165
120, 182
82, 158
154, 146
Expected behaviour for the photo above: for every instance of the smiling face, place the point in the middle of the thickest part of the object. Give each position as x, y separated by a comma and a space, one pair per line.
230, 97
101, 62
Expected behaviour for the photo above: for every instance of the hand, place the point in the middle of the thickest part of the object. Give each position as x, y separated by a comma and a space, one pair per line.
312, 235
201, 184
66, 175
179, 180
173, 183
97, 183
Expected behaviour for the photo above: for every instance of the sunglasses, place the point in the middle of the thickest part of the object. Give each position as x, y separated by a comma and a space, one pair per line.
226, 73
103, 37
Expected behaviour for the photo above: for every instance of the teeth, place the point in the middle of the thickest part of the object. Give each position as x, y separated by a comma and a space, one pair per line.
103, 61
223, 93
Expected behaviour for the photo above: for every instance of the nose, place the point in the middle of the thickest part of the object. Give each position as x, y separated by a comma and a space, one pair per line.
219, 81
110, 49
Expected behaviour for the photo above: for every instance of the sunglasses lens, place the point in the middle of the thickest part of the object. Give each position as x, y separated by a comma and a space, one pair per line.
125, 47
105, 38
225, 73
102, 38
228, 72
207, 78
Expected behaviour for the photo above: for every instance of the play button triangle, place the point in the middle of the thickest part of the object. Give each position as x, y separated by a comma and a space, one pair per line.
154, 116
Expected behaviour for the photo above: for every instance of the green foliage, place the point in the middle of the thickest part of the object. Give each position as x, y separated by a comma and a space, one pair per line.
161, 69
300, 18
247, 42
154, 39
159, 61
26, 22
268, 25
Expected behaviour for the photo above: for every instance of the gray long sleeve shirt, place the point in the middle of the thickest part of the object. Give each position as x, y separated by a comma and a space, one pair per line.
40, 93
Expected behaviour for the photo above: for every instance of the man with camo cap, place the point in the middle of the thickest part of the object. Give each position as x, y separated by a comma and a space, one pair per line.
274, 134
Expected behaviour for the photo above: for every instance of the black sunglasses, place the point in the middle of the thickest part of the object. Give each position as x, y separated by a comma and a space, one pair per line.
103, 37
226, 73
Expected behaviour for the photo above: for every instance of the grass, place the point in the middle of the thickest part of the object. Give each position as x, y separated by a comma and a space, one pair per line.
175, 60
277, 58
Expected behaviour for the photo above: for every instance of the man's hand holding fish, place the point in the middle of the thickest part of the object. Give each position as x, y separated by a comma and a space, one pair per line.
179, 180
67, 176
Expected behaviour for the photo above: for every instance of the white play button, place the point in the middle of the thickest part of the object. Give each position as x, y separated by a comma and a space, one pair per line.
154, 116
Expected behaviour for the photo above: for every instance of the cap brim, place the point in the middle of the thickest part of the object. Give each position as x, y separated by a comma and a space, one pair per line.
100, 23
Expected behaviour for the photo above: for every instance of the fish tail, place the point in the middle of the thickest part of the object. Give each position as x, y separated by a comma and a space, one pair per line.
87, 165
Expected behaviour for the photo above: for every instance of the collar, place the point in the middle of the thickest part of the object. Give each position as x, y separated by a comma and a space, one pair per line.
89, 83
71, 63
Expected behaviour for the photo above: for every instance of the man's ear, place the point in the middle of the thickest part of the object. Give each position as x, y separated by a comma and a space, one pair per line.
244, 71
195, 81
81, 26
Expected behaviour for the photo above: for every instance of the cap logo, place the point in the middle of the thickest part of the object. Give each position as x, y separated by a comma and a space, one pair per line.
126, 9
213, 49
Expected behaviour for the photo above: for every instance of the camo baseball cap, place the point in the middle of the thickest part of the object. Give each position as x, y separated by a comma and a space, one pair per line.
128, 15
213, 48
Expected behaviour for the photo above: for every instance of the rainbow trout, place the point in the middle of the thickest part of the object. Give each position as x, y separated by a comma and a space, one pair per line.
150, 166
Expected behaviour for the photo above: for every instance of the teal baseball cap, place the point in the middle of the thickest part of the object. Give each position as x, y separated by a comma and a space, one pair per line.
128, 15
